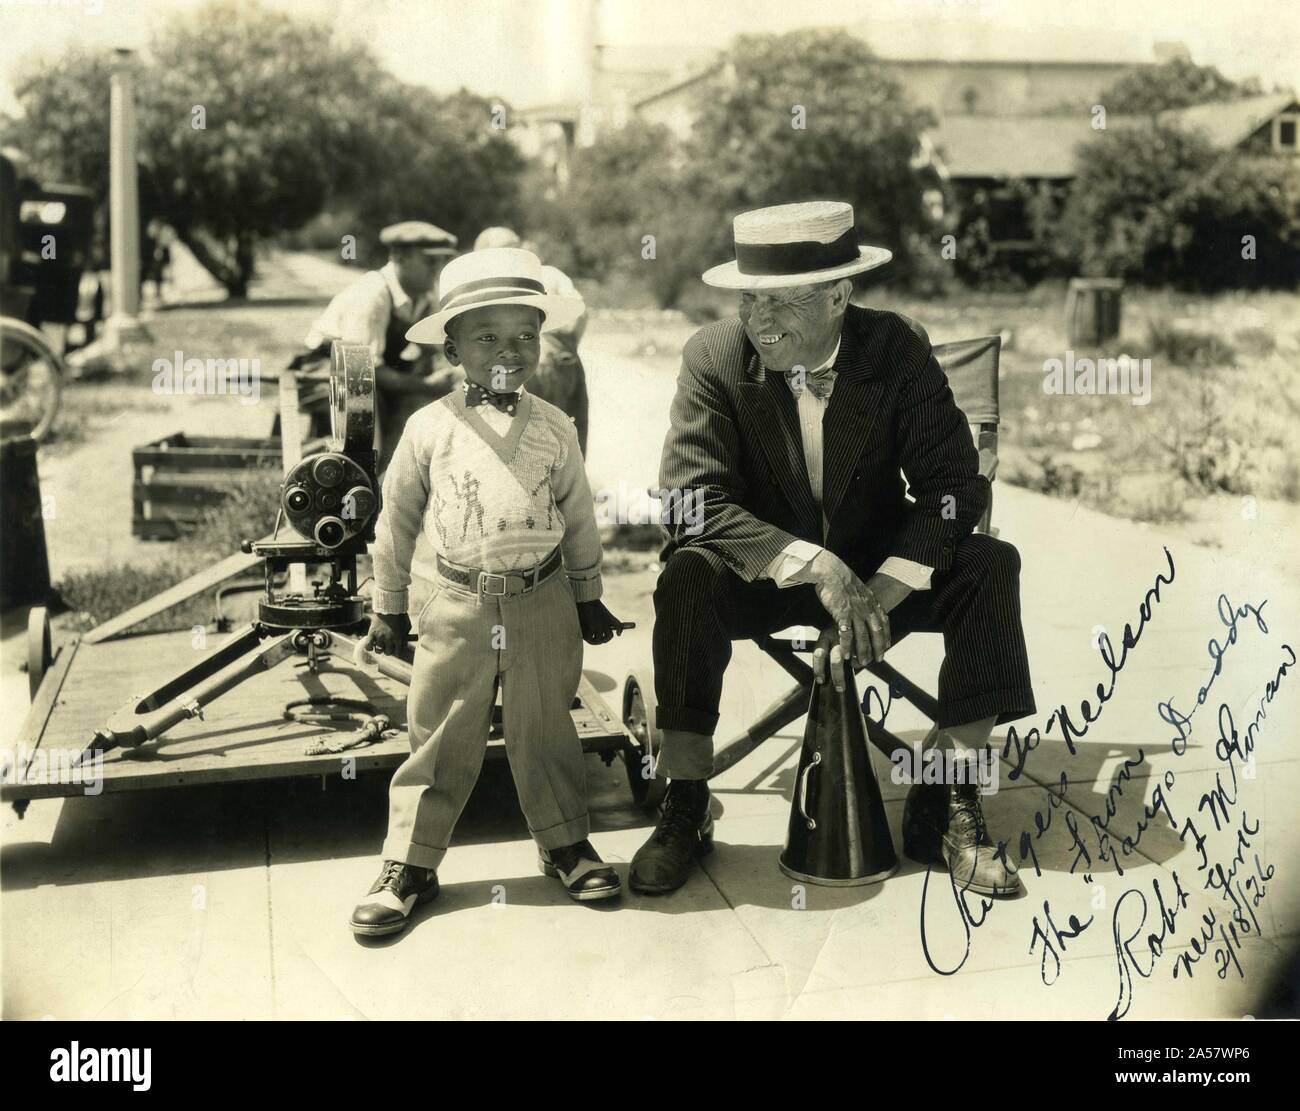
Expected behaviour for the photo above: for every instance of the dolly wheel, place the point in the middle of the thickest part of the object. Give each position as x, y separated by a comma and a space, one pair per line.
39, 654
639, 717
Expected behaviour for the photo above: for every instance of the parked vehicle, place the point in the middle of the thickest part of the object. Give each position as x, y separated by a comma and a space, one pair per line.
45, 239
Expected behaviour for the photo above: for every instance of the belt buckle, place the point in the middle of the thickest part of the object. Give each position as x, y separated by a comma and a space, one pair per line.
483, 577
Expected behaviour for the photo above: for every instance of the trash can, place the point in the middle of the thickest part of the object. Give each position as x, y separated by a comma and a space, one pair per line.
24, 563
1092, 311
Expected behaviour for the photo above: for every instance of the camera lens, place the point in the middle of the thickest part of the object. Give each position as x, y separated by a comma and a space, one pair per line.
296, 499
330, 532
328, 470
359, 503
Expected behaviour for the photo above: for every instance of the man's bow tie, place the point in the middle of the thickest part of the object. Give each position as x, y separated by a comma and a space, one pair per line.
820, 384
476, 395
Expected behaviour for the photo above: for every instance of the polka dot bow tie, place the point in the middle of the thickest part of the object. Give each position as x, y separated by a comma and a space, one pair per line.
476, 395
819, 384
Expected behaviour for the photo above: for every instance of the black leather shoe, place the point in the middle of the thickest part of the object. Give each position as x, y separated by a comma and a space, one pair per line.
683, 835
925, 817
579, 868
388, 904
944, 825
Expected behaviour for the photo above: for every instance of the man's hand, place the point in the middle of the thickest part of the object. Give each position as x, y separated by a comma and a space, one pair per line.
387, 634
860, 612
597, 623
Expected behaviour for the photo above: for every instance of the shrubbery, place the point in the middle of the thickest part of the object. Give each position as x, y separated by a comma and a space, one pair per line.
857, 142
1158, 205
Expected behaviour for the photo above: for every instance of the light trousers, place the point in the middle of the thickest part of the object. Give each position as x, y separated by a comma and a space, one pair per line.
531, 645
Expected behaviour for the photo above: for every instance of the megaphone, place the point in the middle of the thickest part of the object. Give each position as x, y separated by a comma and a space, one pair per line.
838, 834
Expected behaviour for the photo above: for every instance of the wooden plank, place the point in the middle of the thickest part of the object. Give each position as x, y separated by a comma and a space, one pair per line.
47, 694
185, 459
212, 576
171, 493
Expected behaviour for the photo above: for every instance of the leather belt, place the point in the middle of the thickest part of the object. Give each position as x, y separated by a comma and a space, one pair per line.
500, 585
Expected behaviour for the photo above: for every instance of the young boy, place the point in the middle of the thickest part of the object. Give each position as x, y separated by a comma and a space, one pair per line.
494, 478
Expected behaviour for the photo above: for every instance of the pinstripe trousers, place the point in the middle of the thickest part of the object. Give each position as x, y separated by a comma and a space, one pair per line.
701, 606
532, 645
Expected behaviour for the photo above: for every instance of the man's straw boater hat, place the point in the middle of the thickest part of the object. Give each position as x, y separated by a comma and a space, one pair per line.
795, 244
494, 276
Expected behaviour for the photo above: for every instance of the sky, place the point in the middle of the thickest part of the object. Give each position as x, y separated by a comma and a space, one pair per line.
524, 50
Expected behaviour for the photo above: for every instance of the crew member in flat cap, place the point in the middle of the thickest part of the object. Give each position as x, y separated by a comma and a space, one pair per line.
378, 309
795, 422
492, 479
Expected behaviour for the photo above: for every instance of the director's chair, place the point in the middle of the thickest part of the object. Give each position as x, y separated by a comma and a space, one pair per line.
972, 369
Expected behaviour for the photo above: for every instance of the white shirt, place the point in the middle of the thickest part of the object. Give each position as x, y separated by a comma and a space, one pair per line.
361, 312
788, 568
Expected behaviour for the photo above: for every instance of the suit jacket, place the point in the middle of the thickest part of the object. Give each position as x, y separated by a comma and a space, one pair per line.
735, 444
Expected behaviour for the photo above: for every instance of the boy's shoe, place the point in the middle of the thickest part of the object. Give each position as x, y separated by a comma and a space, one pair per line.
579, 867
387, 907
684, 834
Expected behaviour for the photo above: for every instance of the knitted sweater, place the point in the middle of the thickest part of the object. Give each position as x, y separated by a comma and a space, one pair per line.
499, 501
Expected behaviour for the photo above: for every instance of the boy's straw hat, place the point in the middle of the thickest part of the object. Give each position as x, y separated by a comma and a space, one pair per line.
795, 244
494, 276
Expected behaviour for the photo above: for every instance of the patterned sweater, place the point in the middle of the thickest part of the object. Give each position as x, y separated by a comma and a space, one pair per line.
498, 496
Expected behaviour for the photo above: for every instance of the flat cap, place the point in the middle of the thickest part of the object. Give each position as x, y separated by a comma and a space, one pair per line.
417, 233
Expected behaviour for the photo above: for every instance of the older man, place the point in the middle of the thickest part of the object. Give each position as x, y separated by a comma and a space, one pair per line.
377, 309
794, 424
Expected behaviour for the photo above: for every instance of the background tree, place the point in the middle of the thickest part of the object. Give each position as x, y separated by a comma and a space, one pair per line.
1158, 205
435, 158
292, 121
1177, 83
781, 118
860, 140
285, 127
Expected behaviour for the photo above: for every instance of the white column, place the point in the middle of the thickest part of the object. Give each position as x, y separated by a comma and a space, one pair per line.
124, 206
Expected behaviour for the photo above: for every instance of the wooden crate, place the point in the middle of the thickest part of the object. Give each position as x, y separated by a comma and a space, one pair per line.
178, 477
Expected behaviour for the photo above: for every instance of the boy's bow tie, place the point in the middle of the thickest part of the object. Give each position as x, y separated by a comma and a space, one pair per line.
476, 395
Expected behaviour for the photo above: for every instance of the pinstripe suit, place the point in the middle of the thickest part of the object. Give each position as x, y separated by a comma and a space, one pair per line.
735, 444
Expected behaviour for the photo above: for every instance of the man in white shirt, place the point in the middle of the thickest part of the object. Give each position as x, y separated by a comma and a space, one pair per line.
792, 429
377, 309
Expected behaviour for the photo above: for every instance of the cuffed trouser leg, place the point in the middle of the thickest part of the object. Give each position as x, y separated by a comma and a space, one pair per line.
533, 642
448, 714
541, 666
684, 755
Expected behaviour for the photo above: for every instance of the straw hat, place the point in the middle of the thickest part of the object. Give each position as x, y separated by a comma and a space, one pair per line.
494, 276
795, 244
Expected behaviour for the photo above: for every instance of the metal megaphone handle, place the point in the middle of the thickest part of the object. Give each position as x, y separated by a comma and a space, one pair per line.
801, 789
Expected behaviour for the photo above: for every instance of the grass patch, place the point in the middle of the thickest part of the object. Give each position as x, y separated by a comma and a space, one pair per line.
96, 595
247, 513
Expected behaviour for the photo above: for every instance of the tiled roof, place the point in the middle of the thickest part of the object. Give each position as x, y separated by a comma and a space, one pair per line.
1044, 146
